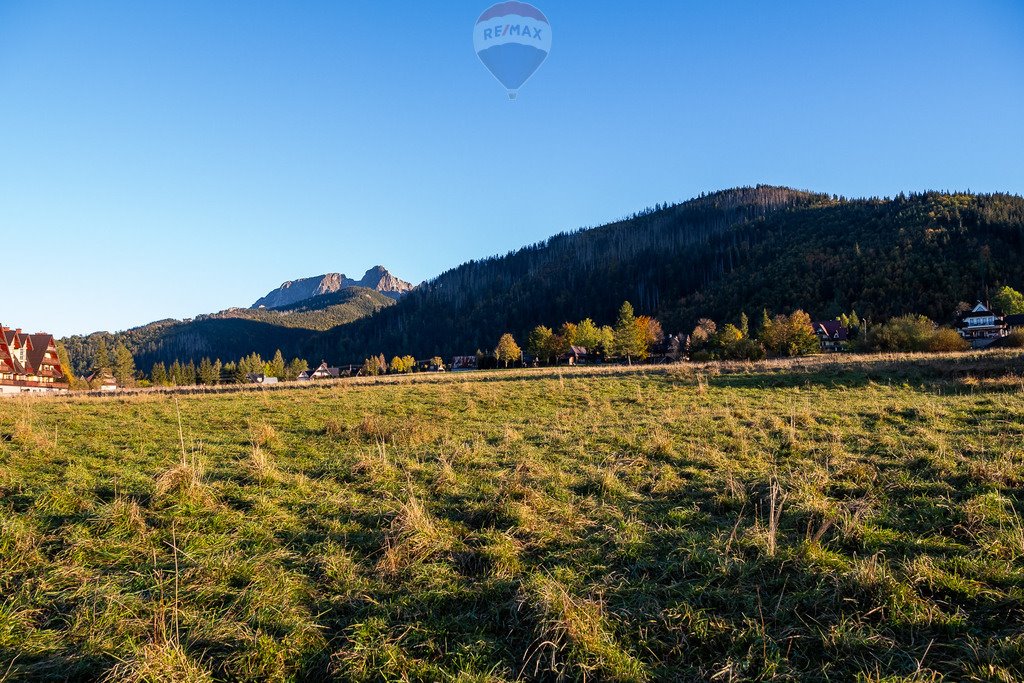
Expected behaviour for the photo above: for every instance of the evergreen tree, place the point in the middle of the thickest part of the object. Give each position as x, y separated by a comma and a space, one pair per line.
276, 366
296, 367
159, 375
629, 338
102, 359
174, 373
124, 365
207, 375
744, 325
188, 374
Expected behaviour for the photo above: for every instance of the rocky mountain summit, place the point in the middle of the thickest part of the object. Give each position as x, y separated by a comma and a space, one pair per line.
377, 278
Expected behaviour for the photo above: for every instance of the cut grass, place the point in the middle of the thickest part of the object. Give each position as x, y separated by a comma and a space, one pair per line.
828, 519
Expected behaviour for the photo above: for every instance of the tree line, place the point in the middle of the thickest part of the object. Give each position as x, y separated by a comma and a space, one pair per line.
632, 337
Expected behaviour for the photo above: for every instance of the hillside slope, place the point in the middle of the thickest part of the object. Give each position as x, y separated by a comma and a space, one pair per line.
234, 333
717, 255
567, 277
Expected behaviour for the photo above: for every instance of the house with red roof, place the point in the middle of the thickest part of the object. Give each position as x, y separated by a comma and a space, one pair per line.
832, 334
29, 363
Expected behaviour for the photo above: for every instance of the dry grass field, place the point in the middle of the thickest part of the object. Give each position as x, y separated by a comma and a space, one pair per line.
831, 519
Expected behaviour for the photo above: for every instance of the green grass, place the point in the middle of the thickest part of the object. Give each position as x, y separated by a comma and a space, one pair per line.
843, 521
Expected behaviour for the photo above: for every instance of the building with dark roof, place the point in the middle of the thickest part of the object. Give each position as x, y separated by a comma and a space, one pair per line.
832, 335
29, 363
981, 326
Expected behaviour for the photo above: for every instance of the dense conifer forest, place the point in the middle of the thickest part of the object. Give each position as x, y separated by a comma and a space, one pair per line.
716, 256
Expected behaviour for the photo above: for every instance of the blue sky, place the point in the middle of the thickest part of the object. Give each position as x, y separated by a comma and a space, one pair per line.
166, 159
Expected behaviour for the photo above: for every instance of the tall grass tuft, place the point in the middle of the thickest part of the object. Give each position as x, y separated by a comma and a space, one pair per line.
415, 536
574, 638
163, 663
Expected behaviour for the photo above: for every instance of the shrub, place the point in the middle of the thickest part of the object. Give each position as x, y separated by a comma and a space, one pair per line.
946, 339
905, 333
790, 335
1014, 341
911, 334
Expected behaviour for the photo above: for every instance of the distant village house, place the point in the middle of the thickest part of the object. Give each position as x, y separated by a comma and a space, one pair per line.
102, 380
322, 372
574, 356
981, 326
832, 335
460, 363
29, 363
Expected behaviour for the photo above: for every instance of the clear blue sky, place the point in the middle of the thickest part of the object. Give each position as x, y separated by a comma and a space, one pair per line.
164, 159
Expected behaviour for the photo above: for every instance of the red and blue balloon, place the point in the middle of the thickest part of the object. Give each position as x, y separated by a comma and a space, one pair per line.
512, 39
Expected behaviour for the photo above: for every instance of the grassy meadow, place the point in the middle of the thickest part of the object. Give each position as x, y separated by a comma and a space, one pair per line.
831, 520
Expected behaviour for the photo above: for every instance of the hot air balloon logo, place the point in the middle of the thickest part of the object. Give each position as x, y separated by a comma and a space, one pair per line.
512, 39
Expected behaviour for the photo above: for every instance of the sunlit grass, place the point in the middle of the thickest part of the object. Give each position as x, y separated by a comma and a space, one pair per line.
829, 519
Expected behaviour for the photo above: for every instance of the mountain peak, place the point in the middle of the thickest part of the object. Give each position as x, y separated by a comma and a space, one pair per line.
291, 292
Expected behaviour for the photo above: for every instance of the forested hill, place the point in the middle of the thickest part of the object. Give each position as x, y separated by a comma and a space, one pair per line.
714, 256
234, 333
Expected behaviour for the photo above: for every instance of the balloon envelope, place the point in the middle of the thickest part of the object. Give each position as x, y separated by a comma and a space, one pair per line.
512, 39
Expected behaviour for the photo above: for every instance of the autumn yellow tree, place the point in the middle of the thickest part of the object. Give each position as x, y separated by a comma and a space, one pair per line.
507, 351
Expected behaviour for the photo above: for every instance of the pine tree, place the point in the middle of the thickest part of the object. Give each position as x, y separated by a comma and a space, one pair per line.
102, 360
207, 376
188, 374
744, 325
296, 367
159, 375
629, 342
174, 374
277, 368
124, 365
766, 322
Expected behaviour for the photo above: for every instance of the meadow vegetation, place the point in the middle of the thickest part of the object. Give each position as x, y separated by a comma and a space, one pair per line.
822, 519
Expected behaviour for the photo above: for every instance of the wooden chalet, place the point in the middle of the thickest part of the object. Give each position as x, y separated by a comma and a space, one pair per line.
832, 335
574, 356
29, 363
102, 380
981, 326
322, 372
